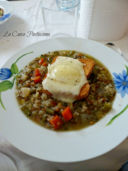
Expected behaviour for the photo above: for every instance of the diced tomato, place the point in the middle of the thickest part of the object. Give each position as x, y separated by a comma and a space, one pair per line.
37, 72
41, 61
36, 79
44, 63
56, 122
67, 114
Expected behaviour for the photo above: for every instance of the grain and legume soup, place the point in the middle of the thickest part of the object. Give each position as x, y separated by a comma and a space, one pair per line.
41, 106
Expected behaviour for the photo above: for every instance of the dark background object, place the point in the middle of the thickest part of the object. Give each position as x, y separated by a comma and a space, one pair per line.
124, 167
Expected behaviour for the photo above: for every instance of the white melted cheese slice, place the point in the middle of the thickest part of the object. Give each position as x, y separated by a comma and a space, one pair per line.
65, 78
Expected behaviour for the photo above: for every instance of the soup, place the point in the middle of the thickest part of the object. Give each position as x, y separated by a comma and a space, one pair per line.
65, 90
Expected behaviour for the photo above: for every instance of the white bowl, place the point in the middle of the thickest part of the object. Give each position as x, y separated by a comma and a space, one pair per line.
71, 146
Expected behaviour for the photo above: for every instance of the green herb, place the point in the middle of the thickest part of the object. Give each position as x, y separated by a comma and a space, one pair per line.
43, 56
121, 112
50, 111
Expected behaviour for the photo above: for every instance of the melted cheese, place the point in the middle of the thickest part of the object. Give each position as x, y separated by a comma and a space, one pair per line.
65, 78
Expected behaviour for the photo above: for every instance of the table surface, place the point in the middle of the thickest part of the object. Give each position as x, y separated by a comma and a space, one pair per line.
8, 47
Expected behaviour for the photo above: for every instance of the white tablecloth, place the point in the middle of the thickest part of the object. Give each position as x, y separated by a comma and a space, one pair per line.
23, 20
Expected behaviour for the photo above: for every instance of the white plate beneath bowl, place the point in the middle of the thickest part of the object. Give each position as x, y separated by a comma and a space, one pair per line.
71, 146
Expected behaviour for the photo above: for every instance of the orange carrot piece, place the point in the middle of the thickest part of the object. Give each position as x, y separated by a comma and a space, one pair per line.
67, 114
41, 61
44, 63
56, 122
36, 79
37, 72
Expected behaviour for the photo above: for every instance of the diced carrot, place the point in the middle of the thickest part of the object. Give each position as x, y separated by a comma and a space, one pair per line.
67, 114
84, 91
41, 61
44, 63
89, 64
36, 79
37, 72
56, 122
